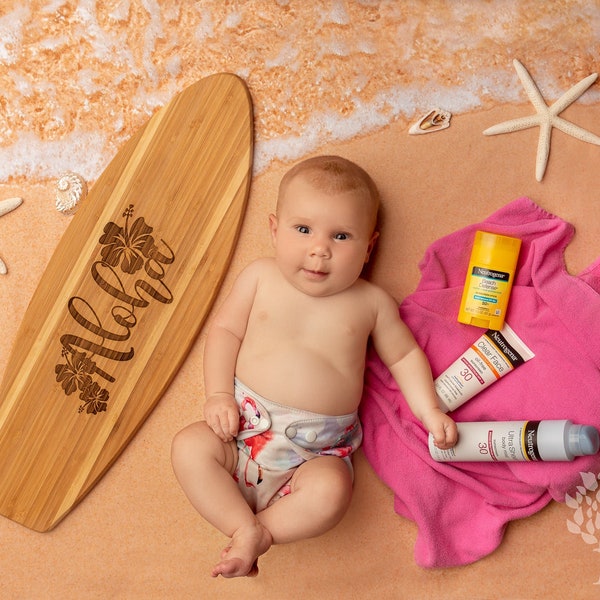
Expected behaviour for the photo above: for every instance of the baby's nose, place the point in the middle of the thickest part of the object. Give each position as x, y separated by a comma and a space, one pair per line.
321, 249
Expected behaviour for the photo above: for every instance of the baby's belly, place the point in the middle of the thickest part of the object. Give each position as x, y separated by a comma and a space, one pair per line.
304, 380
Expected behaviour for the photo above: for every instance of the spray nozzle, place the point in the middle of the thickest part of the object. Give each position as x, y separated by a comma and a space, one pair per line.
583, 440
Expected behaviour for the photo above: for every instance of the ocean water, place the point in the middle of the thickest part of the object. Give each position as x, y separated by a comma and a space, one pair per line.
78, 77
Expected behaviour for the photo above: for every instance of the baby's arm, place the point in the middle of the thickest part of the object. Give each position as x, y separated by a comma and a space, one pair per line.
220, 354
409, 366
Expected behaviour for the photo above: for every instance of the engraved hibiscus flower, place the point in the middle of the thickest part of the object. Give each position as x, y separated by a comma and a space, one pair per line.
76, 373
127, 245
94, 398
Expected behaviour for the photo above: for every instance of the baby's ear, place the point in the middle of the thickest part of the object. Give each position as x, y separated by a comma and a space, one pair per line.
273, 222
371, 245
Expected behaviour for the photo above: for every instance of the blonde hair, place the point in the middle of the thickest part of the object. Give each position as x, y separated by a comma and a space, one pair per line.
333, 175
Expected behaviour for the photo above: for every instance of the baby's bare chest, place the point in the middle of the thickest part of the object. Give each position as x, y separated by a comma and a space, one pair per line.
314, 322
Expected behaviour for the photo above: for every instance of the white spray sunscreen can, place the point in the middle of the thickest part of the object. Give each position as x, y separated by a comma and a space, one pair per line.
519, 440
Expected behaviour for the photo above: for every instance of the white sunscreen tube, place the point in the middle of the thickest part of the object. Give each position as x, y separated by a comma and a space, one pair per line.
519, 440
492, 356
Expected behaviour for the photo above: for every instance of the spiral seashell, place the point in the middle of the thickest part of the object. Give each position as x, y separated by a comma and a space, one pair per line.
71, 188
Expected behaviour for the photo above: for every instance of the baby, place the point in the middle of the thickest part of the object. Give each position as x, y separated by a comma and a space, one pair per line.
284, 364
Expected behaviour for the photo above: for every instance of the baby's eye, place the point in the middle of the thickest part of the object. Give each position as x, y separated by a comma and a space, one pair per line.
302, 229
341, 236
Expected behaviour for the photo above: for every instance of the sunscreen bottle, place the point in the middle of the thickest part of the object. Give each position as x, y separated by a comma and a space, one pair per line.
492, 356
489, 280
519, 440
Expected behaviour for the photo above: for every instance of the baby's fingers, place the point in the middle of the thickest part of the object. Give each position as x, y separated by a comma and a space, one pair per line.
445, 435
233, 423
222, 416
221, 432
225, 425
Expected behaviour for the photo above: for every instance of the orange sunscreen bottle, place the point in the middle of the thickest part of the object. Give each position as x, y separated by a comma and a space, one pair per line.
489, 280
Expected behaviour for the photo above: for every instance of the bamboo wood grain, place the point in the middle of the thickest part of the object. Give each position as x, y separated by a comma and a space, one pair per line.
122, 299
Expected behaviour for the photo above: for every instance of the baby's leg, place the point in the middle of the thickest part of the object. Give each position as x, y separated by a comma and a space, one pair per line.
321, 490
204, 465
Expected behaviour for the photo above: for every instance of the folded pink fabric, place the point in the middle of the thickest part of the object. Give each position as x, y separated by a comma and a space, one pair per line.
461, 509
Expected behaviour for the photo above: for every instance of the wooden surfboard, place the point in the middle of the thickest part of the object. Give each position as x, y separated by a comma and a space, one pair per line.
122, 299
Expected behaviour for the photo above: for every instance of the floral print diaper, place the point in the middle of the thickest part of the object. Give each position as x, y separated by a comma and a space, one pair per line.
274, 440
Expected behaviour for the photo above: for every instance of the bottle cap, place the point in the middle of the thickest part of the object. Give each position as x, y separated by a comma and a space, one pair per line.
583, 440
499, 250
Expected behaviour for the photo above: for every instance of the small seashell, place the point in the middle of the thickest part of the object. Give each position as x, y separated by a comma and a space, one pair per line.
9, 204
434, 120
71, 188
5, 207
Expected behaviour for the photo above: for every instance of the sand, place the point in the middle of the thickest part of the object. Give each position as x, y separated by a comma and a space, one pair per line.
135, 535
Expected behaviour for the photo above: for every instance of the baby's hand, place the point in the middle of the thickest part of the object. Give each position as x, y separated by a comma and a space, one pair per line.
222, 415
442, 427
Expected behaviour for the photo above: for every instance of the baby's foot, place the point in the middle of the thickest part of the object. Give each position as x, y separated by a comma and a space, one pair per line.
240, 558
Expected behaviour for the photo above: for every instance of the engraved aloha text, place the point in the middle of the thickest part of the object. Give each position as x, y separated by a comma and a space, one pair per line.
130, 270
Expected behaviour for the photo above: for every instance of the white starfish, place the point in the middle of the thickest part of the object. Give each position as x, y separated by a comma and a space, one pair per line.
5, 207
547, 117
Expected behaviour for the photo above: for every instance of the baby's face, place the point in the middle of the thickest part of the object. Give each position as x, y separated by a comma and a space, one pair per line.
322, 241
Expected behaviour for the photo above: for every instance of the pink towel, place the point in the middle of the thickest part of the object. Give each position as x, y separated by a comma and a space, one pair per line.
461, 509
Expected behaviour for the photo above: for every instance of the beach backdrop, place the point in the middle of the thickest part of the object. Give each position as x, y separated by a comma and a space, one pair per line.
79, 77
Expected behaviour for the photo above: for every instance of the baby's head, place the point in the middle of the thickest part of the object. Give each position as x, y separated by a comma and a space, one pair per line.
334, 175
325, 226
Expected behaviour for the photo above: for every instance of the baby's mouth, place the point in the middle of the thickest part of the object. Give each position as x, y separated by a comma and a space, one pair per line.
314, 274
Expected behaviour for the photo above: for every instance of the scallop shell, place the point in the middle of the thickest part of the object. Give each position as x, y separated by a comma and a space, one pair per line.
71, 188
